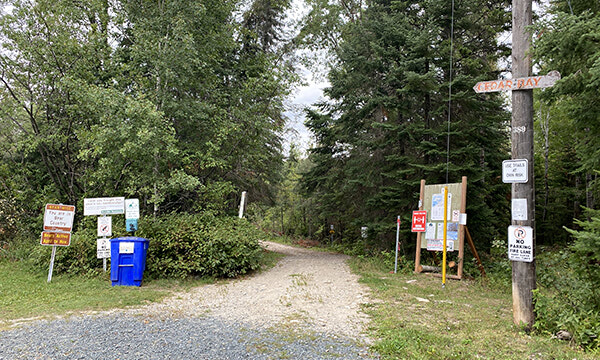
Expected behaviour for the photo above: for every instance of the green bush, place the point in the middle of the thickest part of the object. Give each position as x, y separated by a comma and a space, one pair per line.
79, 258
184, 245
568, 297
181, 245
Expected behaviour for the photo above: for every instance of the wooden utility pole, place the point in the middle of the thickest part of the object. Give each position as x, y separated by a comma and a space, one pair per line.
523, 273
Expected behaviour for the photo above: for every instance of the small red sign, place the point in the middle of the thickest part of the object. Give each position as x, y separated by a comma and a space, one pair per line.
55, 238
419, 221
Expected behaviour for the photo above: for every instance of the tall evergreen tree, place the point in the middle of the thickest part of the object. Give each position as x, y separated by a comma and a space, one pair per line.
386, 126
569, 42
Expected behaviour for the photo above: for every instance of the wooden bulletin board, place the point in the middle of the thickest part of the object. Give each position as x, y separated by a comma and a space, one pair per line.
432, 201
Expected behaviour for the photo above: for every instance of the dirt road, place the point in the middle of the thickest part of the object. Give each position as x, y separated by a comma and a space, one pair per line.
307, 289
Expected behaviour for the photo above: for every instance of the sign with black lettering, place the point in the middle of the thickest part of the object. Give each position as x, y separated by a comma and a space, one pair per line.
520, 243
515, 171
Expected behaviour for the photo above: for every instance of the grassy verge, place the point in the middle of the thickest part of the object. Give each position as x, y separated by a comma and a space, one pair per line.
25, 293
414, 318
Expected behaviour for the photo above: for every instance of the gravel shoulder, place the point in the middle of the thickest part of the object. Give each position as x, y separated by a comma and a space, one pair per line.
306, 307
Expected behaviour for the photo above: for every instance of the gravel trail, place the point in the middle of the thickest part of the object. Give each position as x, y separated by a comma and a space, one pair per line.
306, 307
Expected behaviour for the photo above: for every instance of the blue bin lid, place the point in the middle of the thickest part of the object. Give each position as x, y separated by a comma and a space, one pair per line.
130, 239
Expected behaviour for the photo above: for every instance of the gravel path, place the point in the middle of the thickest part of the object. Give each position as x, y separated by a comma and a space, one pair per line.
306, 307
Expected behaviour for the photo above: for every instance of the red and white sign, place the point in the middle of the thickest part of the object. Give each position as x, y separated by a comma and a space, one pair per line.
59, 217
104, 226
533, 82
419, 220
55, 238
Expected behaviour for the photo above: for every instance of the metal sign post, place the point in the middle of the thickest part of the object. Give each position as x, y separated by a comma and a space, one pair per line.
397, 242
58, 223
51, 263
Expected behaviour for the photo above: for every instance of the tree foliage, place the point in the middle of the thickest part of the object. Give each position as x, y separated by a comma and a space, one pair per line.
179, 103
386, 125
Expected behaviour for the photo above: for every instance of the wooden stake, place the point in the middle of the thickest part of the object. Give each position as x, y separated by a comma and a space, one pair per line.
523, 273
461, 231
474, 251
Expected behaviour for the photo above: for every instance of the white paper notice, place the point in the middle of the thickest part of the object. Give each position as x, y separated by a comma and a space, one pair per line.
455, 215
440, 231
437, 207
463, 219
519, 209
430, 231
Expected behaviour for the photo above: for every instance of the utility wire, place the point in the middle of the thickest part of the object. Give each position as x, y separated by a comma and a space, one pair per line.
450, 92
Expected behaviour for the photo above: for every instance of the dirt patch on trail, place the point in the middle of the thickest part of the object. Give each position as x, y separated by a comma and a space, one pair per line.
307, 289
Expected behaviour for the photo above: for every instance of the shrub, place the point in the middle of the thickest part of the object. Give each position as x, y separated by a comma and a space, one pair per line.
181, 245
79, 258
568, 297
184, 245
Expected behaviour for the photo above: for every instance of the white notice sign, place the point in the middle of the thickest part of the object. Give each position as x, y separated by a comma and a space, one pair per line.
103, 206
105, 226
102, 248
519, 209
520, 243
126, 248
132, 209
514, 171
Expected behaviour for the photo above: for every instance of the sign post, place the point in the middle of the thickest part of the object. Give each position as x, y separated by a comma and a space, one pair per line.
58, 223
103, 206
397, 242
105, 231
523, 272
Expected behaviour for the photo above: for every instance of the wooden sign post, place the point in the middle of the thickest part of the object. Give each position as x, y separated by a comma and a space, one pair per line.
523, 273
519, 171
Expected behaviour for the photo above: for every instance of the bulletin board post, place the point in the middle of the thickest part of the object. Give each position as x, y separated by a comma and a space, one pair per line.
456, 212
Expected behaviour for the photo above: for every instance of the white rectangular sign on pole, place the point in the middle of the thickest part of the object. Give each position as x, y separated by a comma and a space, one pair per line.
104, 206
103, 248
58, 217
132, 209
520, 243
515, 171
104, 226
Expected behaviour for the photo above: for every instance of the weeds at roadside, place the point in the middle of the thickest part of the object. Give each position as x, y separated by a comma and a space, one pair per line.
414, 318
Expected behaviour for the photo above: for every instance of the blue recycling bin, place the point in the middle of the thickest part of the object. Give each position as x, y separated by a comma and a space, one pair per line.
128, 260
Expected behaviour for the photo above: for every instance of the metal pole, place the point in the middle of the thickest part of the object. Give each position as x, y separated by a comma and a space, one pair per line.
523, 273
51, 263
397, 241
445, 237
104, 264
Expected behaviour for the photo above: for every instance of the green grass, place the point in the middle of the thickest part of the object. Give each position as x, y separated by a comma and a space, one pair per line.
466, 320
25, 293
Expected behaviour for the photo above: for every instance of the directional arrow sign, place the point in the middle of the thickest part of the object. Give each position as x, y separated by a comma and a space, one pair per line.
534, 82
